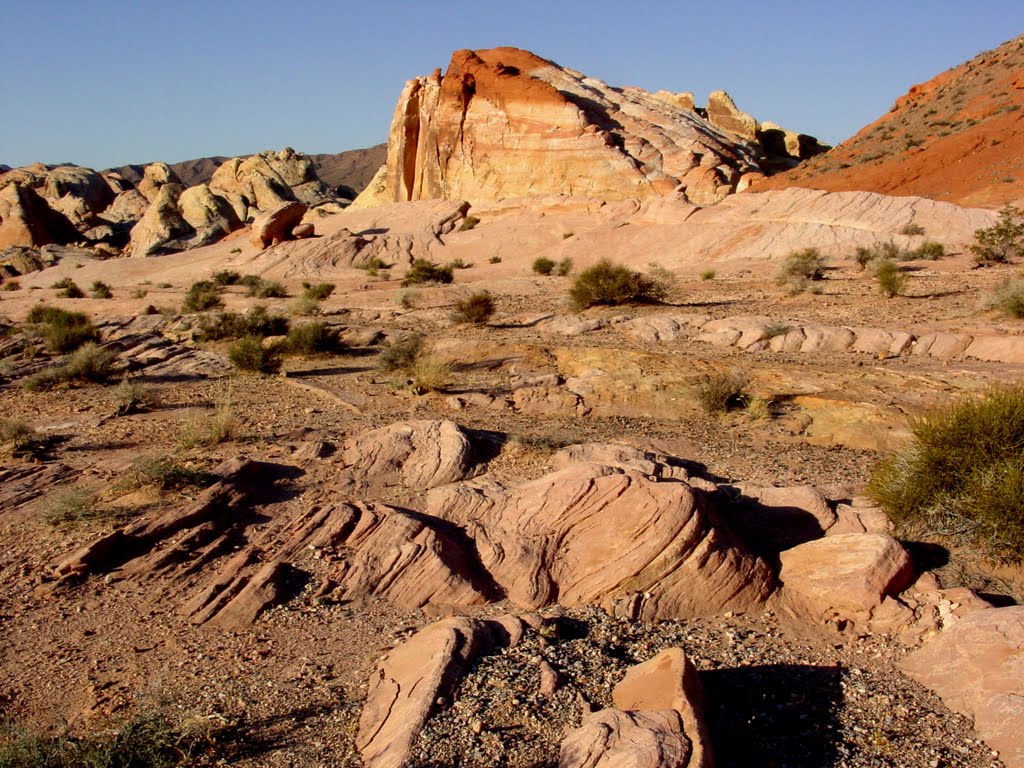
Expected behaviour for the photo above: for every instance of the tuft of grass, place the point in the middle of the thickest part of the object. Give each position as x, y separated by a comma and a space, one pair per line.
68, 289
468, 223
429, 374
11, 285
929, 250
720, 392
139, 293
708, 274
303, 306
408, 299
891, 281
317, 291
201, 296
71, 506
166, 474
757, 408
267, 289
476, 308
459, 264
776, 329
1009, 297
61, 330
100, 290
133, 396
426, 271
542, 265
226, 277
606, 283
494, 260
314, 338
249, 354
232, 325
87, 364
198, 430
563, 267
962, 475
912, 229
400, 355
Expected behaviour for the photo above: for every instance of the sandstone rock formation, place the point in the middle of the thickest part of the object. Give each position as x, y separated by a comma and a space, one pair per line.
154, 178
277, 223
591, 533
977, 667
613, 738
506, 123
161, 224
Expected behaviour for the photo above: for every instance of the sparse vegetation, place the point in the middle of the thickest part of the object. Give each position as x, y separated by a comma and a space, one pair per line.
68, 289
542, 265
722, 391
133, 396
139, 293
400, 355
70, 506
408, 299
1009, 297
494, 260
912, 229
313, 338
201, 296
164, 285
963, 474
468, 223
708, 274
250, 354
267, 289
62, 331
199, 430
233, 325
891, 281
612, 284
476, 308
87, 364
426, 271
563, 267
929, 250
802, 267
459, 264
429, 374
100, 290
776, 329
11, 285
20, 440
317, 291
1003, 241
166, 474
226, 277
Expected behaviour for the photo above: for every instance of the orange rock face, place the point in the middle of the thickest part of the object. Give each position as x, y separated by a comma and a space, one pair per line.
506, 123
957, 138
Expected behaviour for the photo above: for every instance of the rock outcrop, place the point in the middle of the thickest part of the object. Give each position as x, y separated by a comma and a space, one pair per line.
506, 123
613, 738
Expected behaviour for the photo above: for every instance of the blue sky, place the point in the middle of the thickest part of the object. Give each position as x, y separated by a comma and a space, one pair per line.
105, 83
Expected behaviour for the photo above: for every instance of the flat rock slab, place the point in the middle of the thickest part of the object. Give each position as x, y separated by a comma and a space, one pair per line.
977, 667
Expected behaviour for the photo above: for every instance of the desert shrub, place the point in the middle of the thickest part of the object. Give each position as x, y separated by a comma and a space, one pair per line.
100, 290
563, 267
429, 374
757, 408
87, 364
459, 264
69, 507
164, 285
313, 339
267, 289
199, 430
721, 391
68, 289
62, 331
249, 281
317, 291
426, 271
495, 260
912, 229
249, 354
202, 296
303, 306
962, 474
1002, 241
139, 293
612, 284
408, 299
21, 440
133, 396
226, 277
804, 265
929, 250
1009, 297
476, 308
233, 325
891, 281
11, 285
776, 329
468, 223
542, 265
863, 256
400, 355
374, 266
147, 741
708, 274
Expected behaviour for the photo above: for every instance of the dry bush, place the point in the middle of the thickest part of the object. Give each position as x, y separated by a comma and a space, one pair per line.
468, 223
100, 290
708, 274
267, 289
802, 268
313, 338
476, 308
232, 325
891, 281
563, 267
249, 354
201, 296
426, 271
613, 284
722, 391
430, 374
61, 330
199, 430
400, 355
133, 396
11, 285
542, 265
86, 365
70, 507
1009, 297
317, 291
68, 289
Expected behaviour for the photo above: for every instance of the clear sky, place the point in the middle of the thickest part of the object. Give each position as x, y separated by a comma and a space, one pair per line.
104, 82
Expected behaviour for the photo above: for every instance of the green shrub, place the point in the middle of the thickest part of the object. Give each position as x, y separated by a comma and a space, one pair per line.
267, 289
202, 296
1003, 240
139, 293
68, 289
459, 264
495, 260
313, 339
401, 355
233, 325
962, 474
250, 355
719, 392
1010, 298
891, 281
708, 274
807, 264
133, 397
317, 291
468, 223
11, 285
100, 290
250, 281
612, 284
61, 330
476, 308
542, 265
226, 277
563, 267
425, 271
912, 229
929, 250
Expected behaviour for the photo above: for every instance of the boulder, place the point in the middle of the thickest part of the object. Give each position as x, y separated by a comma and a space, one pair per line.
210, 215
417, 454
303, 230
161, 224
723, 113
276, 224
599, 534
79, 193
846, 575
268, 180
414, 678
977, 667
612, 738
156, 176
669, 681
26, 219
